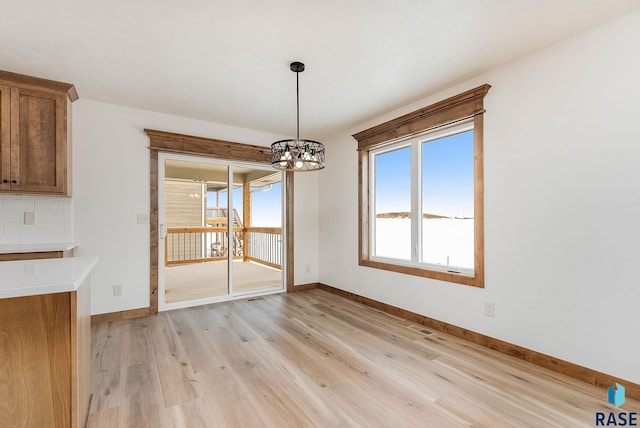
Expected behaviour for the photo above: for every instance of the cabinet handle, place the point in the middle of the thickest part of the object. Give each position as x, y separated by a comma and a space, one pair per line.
14, 181
5, 181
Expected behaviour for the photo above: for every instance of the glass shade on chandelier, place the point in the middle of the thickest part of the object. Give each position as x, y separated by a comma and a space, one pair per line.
297, 155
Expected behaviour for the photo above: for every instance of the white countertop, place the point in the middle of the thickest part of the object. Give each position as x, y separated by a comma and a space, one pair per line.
34, 277
36, 248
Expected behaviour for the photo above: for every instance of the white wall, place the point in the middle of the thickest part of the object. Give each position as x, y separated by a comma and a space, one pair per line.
111, 186
306, 228
562, 203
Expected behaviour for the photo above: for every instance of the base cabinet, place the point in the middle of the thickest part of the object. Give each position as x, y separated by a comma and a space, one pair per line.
45, 359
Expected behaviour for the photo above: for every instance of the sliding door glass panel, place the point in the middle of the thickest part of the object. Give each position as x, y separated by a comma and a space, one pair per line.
257, 203
197, 240
221, 231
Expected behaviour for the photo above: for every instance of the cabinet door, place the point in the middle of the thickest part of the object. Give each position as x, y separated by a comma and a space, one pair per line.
38, 141
36, 361
5, 135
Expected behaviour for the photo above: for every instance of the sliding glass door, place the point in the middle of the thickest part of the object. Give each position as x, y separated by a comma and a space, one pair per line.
221, 230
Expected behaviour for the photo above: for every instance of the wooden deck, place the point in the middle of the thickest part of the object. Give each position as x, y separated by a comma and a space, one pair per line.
314, 359
209, 279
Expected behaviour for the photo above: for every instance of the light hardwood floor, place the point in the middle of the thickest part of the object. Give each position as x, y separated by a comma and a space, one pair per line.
313, 359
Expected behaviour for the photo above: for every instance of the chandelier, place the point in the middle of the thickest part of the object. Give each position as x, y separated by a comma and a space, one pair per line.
297, 154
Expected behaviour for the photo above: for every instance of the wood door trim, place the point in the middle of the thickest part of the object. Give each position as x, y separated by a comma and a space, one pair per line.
169, 142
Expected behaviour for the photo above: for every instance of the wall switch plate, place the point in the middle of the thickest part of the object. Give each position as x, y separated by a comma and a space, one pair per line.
29, 218
307, 269
143, 218
489, 309
117, 290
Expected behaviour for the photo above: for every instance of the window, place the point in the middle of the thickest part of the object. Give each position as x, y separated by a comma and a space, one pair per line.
440, 233
421, 192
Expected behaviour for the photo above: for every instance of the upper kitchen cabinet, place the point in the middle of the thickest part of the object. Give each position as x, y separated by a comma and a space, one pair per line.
35, 150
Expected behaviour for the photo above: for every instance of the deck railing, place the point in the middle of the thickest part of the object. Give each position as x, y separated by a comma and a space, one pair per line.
264, 245
201, 244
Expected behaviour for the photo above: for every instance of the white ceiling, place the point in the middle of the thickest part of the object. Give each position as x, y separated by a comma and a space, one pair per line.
227, 61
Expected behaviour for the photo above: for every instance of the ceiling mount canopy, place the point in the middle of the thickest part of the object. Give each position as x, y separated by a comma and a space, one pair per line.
297, 154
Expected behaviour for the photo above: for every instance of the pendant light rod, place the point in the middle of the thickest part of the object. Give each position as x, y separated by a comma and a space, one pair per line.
297, 67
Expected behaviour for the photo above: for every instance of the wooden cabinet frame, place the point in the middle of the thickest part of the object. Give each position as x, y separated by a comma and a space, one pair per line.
35, 152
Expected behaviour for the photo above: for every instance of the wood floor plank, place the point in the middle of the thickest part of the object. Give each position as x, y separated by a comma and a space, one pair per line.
472, 413
178, 380
378, 406
136, 342
108, 418
226, 395
192, 414
296, 377
290, 345
193, 331
239, 345
142, 404
314, 339
408, 396
385, 367
377, 327
106, 362
314, 359
300, 306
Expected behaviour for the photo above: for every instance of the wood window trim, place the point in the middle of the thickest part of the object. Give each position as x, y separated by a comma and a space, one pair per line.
465, 106
168, 142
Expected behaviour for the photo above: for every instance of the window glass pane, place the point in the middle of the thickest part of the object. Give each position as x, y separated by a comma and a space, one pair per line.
447, 201
392, 201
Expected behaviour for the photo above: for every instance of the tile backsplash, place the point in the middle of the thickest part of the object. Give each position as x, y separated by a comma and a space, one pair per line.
53, 219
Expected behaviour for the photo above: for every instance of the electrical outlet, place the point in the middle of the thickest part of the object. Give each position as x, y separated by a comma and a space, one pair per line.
489, 309
143, 218
117, 290
29, 218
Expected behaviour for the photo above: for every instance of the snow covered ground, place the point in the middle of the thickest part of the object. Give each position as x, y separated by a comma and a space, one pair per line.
446, 241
